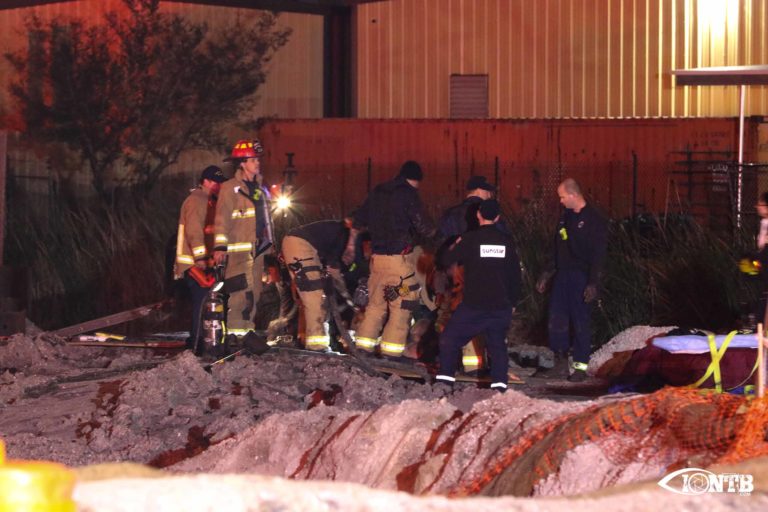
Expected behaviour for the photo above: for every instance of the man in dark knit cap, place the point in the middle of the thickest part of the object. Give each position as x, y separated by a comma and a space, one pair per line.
395, 218
491, 291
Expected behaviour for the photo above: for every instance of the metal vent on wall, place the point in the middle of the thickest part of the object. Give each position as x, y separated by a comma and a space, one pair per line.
469, 96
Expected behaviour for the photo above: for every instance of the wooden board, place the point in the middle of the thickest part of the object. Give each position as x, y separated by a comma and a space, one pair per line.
129, 344
106, 321
400, 372
460, 377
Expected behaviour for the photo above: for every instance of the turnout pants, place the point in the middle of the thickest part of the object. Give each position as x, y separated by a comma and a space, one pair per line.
388, 270
243, 284
310, 290
466, 323
567, 309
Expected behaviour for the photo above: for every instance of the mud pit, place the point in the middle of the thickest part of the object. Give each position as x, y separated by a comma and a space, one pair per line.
234, 437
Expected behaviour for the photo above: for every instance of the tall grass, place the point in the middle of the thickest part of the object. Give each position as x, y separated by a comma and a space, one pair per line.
658, 271
86, 259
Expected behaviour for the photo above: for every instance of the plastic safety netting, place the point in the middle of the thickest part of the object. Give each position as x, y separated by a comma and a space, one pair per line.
687, 425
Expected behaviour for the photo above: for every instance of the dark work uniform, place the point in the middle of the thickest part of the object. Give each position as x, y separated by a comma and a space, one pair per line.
462, 217
491, 290
579, 252
456, 221
328, 237
395, 217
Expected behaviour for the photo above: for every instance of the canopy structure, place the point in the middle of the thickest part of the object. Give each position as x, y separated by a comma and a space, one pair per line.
728, 75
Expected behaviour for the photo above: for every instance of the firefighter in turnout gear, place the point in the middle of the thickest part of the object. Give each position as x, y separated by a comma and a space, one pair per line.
394, 216
242, 234
194, 243
308, 251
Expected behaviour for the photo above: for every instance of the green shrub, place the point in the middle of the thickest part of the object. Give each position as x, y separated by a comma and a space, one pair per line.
657, 272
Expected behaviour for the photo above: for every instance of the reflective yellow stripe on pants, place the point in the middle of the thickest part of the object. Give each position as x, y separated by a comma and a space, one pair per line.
388, 270
392, 349
318, 342
367, 344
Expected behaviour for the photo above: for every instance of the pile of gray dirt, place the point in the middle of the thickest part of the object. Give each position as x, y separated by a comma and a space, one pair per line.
291, 416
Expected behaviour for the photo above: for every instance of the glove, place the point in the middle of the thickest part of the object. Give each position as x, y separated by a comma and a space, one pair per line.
590, 293
543, 283
349, 255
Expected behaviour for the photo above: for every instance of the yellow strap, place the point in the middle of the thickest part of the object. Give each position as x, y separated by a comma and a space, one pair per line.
749, 389
714, 366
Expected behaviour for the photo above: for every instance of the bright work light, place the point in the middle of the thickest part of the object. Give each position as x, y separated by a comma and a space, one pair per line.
283, 202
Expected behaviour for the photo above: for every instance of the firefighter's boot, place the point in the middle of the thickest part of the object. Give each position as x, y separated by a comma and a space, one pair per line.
579, 373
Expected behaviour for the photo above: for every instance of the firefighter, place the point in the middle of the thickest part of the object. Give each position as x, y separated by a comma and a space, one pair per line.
456, 221
492, 289
194, 243
580, 244
243, 234
309, 251
394, 215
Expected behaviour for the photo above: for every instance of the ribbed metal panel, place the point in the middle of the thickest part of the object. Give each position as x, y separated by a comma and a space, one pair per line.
557, 58
294, 86
529, 158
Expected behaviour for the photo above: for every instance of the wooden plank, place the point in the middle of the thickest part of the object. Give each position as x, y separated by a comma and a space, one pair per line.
106, 321
179, 344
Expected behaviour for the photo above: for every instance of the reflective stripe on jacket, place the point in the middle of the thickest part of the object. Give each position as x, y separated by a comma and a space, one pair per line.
194, 239
236, 217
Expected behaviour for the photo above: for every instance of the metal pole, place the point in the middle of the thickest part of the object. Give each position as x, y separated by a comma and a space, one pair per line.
740, 178
633, 211
368, 171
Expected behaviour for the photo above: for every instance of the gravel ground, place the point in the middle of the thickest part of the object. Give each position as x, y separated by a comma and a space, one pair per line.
289, 415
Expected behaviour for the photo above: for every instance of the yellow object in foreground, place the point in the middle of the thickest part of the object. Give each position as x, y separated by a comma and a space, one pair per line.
749, 266
35, 486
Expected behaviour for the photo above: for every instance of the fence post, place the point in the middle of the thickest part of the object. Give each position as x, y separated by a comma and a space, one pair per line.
3, 169
634, 185
368, 184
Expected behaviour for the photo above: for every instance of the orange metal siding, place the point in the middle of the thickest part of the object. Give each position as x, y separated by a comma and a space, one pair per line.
557, 58
332, 156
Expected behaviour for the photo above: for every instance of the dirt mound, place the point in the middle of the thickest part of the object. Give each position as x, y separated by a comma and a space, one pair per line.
307, 416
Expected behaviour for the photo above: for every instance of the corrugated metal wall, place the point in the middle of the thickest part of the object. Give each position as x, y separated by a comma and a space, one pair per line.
294, 86
614, 159
557, 58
